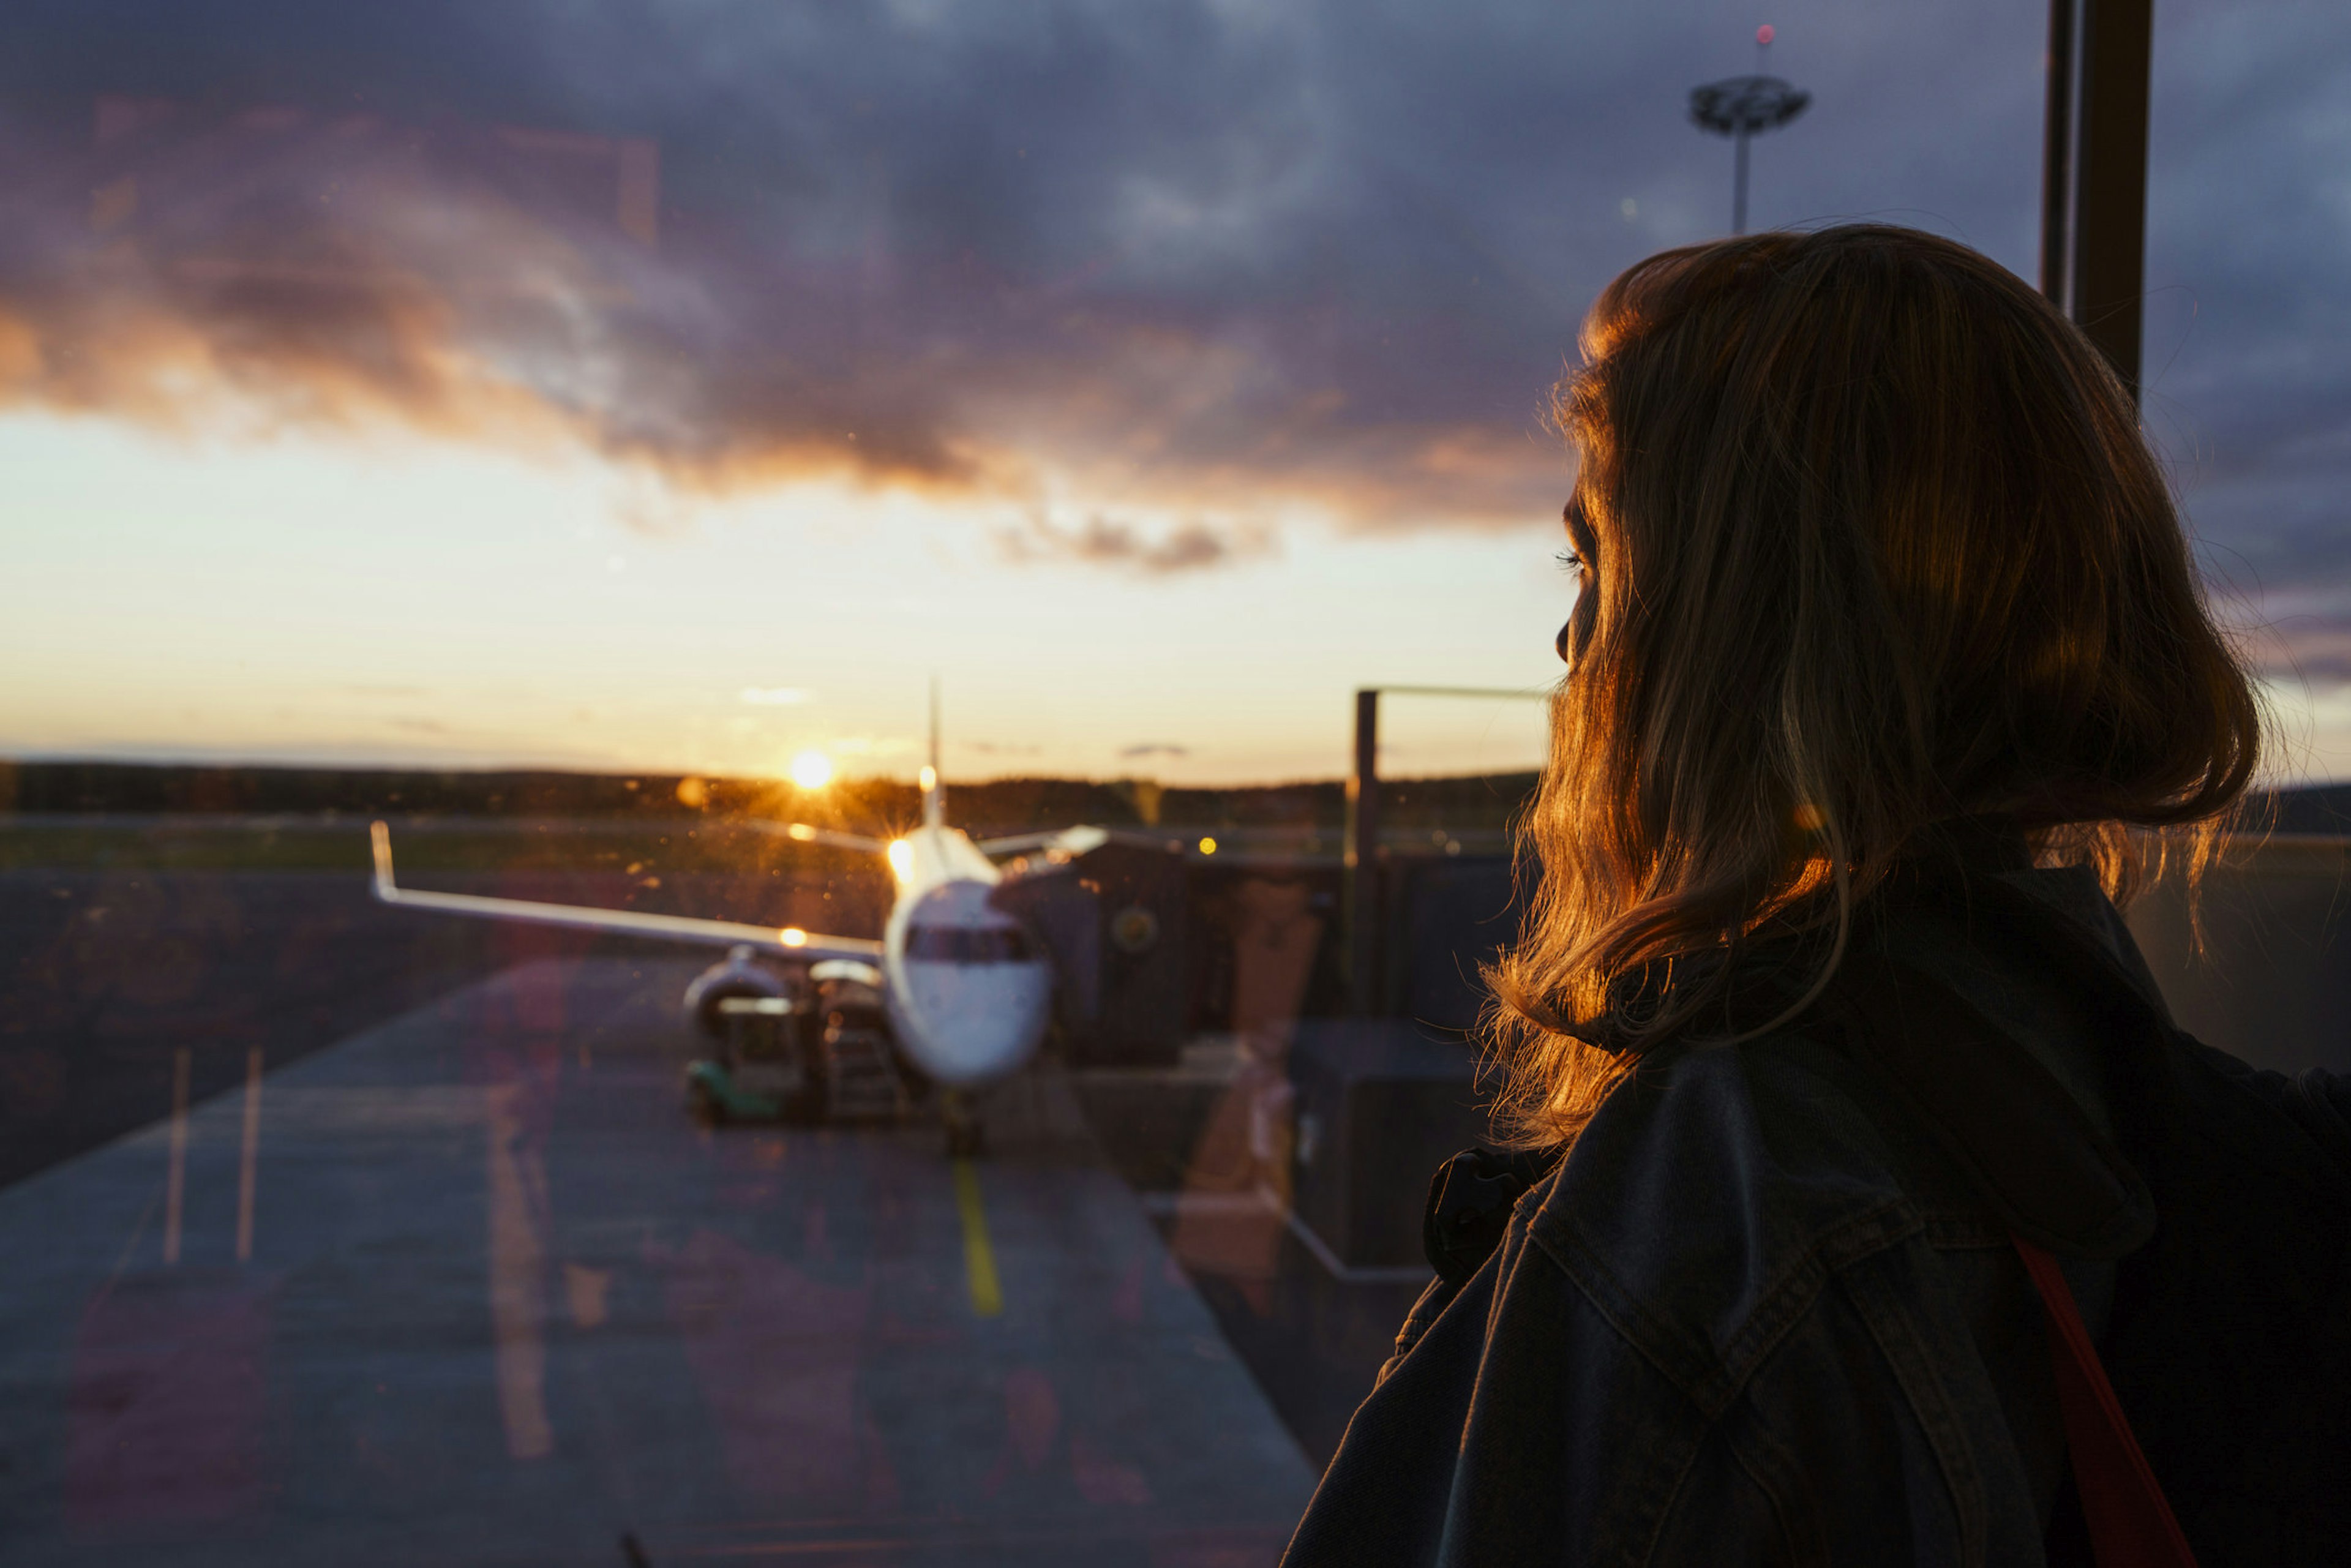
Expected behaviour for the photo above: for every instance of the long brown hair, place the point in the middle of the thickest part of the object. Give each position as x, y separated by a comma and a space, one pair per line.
1871, 543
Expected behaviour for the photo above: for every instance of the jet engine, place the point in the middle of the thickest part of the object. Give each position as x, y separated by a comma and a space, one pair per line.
740, 975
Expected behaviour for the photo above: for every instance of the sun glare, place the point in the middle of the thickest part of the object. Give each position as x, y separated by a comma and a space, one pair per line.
901, 858
812, 770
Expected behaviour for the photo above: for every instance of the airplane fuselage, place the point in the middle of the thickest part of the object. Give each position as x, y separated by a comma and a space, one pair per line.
969, 989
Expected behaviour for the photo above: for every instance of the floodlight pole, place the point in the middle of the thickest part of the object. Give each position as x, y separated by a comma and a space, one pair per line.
1739, 184
1741, 108
2093, 172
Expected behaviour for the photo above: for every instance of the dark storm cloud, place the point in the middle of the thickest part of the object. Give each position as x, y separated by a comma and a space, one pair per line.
1209, 258
970, 248
2249, 312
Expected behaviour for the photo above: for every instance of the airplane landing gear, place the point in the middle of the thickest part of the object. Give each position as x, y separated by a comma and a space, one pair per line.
966, 1139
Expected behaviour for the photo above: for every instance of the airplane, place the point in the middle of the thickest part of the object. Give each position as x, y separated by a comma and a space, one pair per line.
967, 988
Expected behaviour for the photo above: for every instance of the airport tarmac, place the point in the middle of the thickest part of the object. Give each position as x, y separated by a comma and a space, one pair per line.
105, 972
470, 1288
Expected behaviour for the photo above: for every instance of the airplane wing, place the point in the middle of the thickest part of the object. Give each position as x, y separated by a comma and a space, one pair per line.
801, 833
1069, 841
788, 941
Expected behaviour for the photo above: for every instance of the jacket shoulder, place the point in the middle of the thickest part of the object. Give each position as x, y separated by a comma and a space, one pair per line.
1714, 1195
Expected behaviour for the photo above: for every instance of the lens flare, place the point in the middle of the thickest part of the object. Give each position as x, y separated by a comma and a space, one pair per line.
901, 858
812, 770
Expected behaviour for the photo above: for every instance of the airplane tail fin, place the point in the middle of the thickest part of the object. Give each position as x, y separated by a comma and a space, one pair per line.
935, 794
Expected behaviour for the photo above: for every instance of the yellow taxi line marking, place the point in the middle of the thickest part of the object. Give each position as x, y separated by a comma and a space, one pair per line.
979, 1257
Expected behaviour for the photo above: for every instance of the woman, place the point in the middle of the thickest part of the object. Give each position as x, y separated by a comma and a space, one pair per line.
1887, 637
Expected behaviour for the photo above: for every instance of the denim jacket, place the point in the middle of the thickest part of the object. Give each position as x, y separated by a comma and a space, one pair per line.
1759, 1313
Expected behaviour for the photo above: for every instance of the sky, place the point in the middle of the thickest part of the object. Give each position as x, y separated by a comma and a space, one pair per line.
682, 384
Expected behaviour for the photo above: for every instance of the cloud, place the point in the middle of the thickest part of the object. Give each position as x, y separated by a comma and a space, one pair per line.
1155, 748
1222, 263
944, 253
1191, 546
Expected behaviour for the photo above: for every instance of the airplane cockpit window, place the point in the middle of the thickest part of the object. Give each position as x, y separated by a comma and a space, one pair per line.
968, 945
755, 760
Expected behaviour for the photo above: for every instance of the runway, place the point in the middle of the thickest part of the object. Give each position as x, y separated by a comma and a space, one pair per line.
501, 1302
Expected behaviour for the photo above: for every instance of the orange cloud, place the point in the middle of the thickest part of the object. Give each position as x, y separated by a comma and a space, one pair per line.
269, 270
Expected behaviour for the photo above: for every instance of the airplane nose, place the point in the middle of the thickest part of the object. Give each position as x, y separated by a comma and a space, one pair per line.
976, 1021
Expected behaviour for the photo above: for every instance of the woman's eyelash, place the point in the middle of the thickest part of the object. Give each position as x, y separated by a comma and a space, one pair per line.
1570, 561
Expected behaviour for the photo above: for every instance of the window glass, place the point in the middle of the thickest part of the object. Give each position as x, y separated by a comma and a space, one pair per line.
526, 524
2248, 225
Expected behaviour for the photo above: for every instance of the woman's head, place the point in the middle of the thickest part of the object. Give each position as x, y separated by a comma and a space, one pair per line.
1869, 541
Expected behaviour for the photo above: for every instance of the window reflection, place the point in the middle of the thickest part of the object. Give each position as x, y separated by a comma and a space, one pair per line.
578, 445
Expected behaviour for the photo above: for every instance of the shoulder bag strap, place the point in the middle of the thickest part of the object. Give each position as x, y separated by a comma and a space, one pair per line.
2131, 1525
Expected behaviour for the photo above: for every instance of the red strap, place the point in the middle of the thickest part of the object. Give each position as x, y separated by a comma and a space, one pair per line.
2131, 1525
